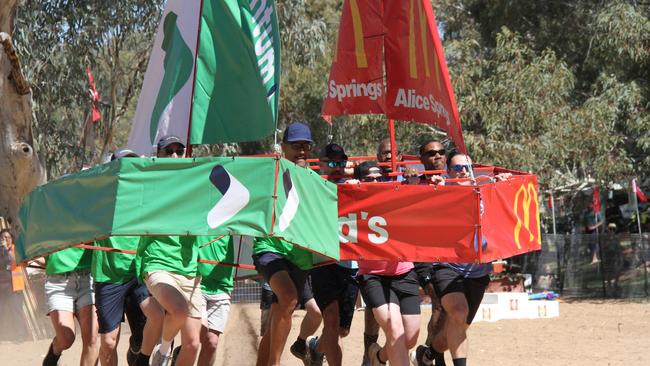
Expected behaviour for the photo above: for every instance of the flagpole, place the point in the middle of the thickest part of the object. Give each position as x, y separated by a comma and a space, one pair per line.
553, 213
196, 58
638, 221
393, 146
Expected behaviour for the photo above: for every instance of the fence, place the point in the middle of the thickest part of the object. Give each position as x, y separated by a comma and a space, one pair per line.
566, 265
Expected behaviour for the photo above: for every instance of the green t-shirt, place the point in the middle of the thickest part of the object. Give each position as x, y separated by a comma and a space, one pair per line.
215, 278
295, 254
68, 260
115, 267
176, 254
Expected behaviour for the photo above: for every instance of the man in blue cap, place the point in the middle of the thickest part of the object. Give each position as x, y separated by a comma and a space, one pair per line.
297, 143
285, 266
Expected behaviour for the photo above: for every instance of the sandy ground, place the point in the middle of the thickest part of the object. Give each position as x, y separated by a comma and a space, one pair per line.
586, 333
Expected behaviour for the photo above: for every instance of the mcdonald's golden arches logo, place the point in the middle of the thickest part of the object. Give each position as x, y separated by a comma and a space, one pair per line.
357, 31
416, 6
527, 202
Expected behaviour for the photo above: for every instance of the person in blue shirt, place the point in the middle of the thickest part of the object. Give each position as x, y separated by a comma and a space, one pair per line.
459, 286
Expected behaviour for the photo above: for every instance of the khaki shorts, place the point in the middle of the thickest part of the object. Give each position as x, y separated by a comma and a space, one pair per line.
189, 287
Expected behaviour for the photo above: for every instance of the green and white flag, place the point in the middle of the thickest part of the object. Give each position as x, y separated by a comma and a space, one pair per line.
258, 197
227, 91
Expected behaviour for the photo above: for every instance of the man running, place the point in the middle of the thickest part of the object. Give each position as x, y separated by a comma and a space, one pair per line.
168, 265
117, 292
283, 265
335, 287
460, 287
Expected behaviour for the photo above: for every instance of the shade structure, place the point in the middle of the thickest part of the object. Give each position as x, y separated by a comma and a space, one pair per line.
426, 223
252, 196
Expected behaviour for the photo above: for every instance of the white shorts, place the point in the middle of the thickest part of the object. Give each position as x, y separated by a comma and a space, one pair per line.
217, 308
69, 291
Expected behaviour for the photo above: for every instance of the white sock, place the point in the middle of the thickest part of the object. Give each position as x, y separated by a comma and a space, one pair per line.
165, 346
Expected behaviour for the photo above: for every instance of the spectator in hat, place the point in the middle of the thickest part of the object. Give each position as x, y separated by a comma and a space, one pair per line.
170, 146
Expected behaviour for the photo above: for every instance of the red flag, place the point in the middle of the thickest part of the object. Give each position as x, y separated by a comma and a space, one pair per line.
95, 98
639, 193
418, 87
596, 200
356, 81
550, 201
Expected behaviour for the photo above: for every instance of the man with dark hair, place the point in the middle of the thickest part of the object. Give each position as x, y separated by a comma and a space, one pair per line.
460, 287
118, 293
334, 285
385, 155
432, 155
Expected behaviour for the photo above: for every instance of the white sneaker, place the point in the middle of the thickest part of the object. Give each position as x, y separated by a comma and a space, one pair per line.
373, 355
158, 359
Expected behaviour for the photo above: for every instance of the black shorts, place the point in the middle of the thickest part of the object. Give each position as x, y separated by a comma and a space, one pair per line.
110, 299
402, 290
335, 283
269, 263
446, 280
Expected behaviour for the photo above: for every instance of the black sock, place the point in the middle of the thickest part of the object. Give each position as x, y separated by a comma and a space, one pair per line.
437, 357
460, 362
142, 360
51, 359
369, 339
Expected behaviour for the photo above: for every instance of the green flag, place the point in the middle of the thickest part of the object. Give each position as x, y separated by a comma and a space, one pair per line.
213, 75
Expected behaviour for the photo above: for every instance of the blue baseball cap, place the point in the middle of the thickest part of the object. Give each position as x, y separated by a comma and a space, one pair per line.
297, 131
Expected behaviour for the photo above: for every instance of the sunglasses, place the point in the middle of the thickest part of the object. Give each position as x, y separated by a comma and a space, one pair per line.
386, 152
432, 153
460, 167
180, 151
337, 164
301, 146
370, 179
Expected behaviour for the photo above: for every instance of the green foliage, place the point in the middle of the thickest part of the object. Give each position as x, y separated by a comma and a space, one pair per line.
57, 40
557, 88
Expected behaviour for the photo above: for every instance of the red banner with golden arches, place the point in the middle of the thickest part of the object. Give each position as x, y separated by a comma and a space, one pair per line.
427, 223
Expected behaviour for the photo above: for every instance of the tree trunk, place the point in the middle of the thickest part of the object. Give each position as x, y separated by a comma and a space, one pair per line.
20, 168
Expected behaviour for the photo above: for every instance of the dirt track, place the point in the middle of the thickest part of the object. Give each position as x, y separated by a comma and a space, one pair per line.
587, 333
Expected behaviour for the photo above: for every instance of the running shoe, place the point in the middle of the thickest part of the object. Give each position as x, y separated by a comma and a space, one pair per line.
316, 357
158, 359
300, 350
373, 355
419, 358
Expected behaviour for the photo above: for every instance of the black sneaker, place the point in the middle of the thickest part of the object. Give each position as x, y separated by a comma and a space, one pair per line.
131, 357
51, 359
419, 358
299, 349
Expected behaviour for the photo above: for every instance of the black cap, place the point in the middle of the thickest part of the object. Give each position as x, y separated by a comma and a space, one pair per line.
333, 151
365, 168
168, 140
